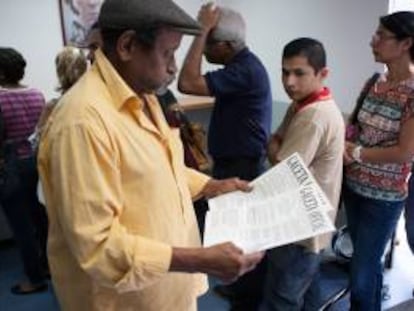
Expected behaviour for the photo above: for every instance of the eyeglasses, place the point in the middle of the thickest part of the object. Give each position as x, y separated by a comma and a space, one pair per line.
379, 36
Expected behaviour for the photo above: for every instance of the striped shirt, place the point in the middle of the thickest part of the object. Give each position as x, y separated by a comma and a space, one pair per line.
381, 118
20, 109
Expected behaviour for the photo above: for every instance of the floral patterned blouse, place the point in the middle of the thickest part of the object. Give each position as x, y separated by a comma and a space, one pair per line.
380, 120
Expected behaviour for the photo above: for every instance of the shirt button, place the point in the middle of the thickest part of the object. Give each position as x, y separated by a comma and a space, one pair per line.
164, 141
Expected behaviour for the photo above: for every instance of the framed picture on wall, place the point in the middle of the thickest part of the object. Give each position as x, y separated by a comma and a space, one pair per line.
77, 18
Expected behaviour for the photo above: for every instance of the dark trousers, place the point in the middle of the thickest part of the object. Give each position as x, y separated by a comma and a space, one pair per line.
371, 223
28, 221
291, 283
247, 291
409, 214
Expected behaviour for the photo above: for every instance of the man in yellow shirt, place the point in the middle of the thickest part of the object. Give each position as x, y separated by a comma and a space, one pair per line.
123, 234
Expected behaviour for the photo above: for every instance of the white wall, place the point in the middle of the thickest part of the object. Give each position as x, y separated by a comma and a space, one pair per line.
345, 27
401, 5
33, 28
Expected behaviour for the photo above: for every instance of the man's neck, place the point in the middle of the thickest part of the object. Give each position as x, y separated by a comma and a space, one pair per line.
233, 54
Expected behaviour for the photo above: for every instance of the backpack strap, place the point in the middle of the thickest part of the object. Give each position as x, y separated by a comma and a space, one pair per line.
370, 83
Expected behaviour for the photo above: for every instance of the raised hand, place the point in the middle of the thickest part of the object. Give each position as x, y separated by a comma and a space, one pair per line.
208, 16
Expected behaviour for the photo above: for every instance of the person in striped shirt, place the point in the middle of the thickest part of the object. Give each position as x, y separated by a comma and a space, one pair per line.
20, 110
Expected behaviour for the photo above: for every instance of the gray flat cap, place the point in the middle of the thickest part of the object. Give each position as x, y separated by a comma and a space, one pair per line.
135, 14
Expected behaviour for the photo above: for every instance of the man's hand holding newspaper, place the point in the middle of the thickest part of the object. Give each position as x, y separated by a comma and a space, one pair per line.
286, 205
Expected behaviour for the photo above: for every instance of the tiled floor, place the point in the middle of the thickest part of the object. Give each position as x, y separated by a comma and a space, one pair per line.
401, 277
400, 280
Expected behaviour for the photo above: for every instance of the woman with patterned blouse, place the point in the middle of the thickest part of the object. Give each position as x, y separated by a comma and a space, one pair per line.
378, 158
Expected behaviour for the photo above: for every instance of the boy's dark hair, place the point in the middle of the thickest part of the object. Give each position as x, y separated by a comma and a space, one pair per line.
401, 24
12, 65
310, 48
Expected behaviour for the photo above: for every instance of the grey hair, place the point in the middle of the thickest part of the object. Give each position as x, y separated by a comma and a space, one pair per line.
230, 27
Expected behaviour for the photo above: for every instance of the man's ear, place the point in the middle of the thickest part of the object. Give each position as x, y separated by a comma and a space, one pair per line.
125, 45
408, 43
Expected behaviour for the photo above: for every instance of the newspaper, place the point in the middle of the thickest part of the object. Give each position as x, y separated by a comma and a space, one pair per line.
286, 205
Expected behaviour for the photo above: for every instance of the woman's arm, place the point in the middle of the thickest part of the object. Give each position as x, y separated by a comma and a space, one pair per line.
400, 153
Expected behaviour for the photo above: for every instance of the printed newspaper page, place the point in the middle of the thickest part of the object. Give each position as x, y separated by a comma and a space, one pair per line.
286, 205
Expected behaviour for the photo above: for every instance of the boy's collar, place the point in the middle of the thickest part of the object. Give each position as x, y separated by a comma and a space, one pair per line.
323, 94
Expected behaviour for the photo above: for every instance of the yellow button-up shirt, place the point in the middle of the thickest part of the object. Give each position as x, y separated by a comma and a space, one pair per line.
118, 198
